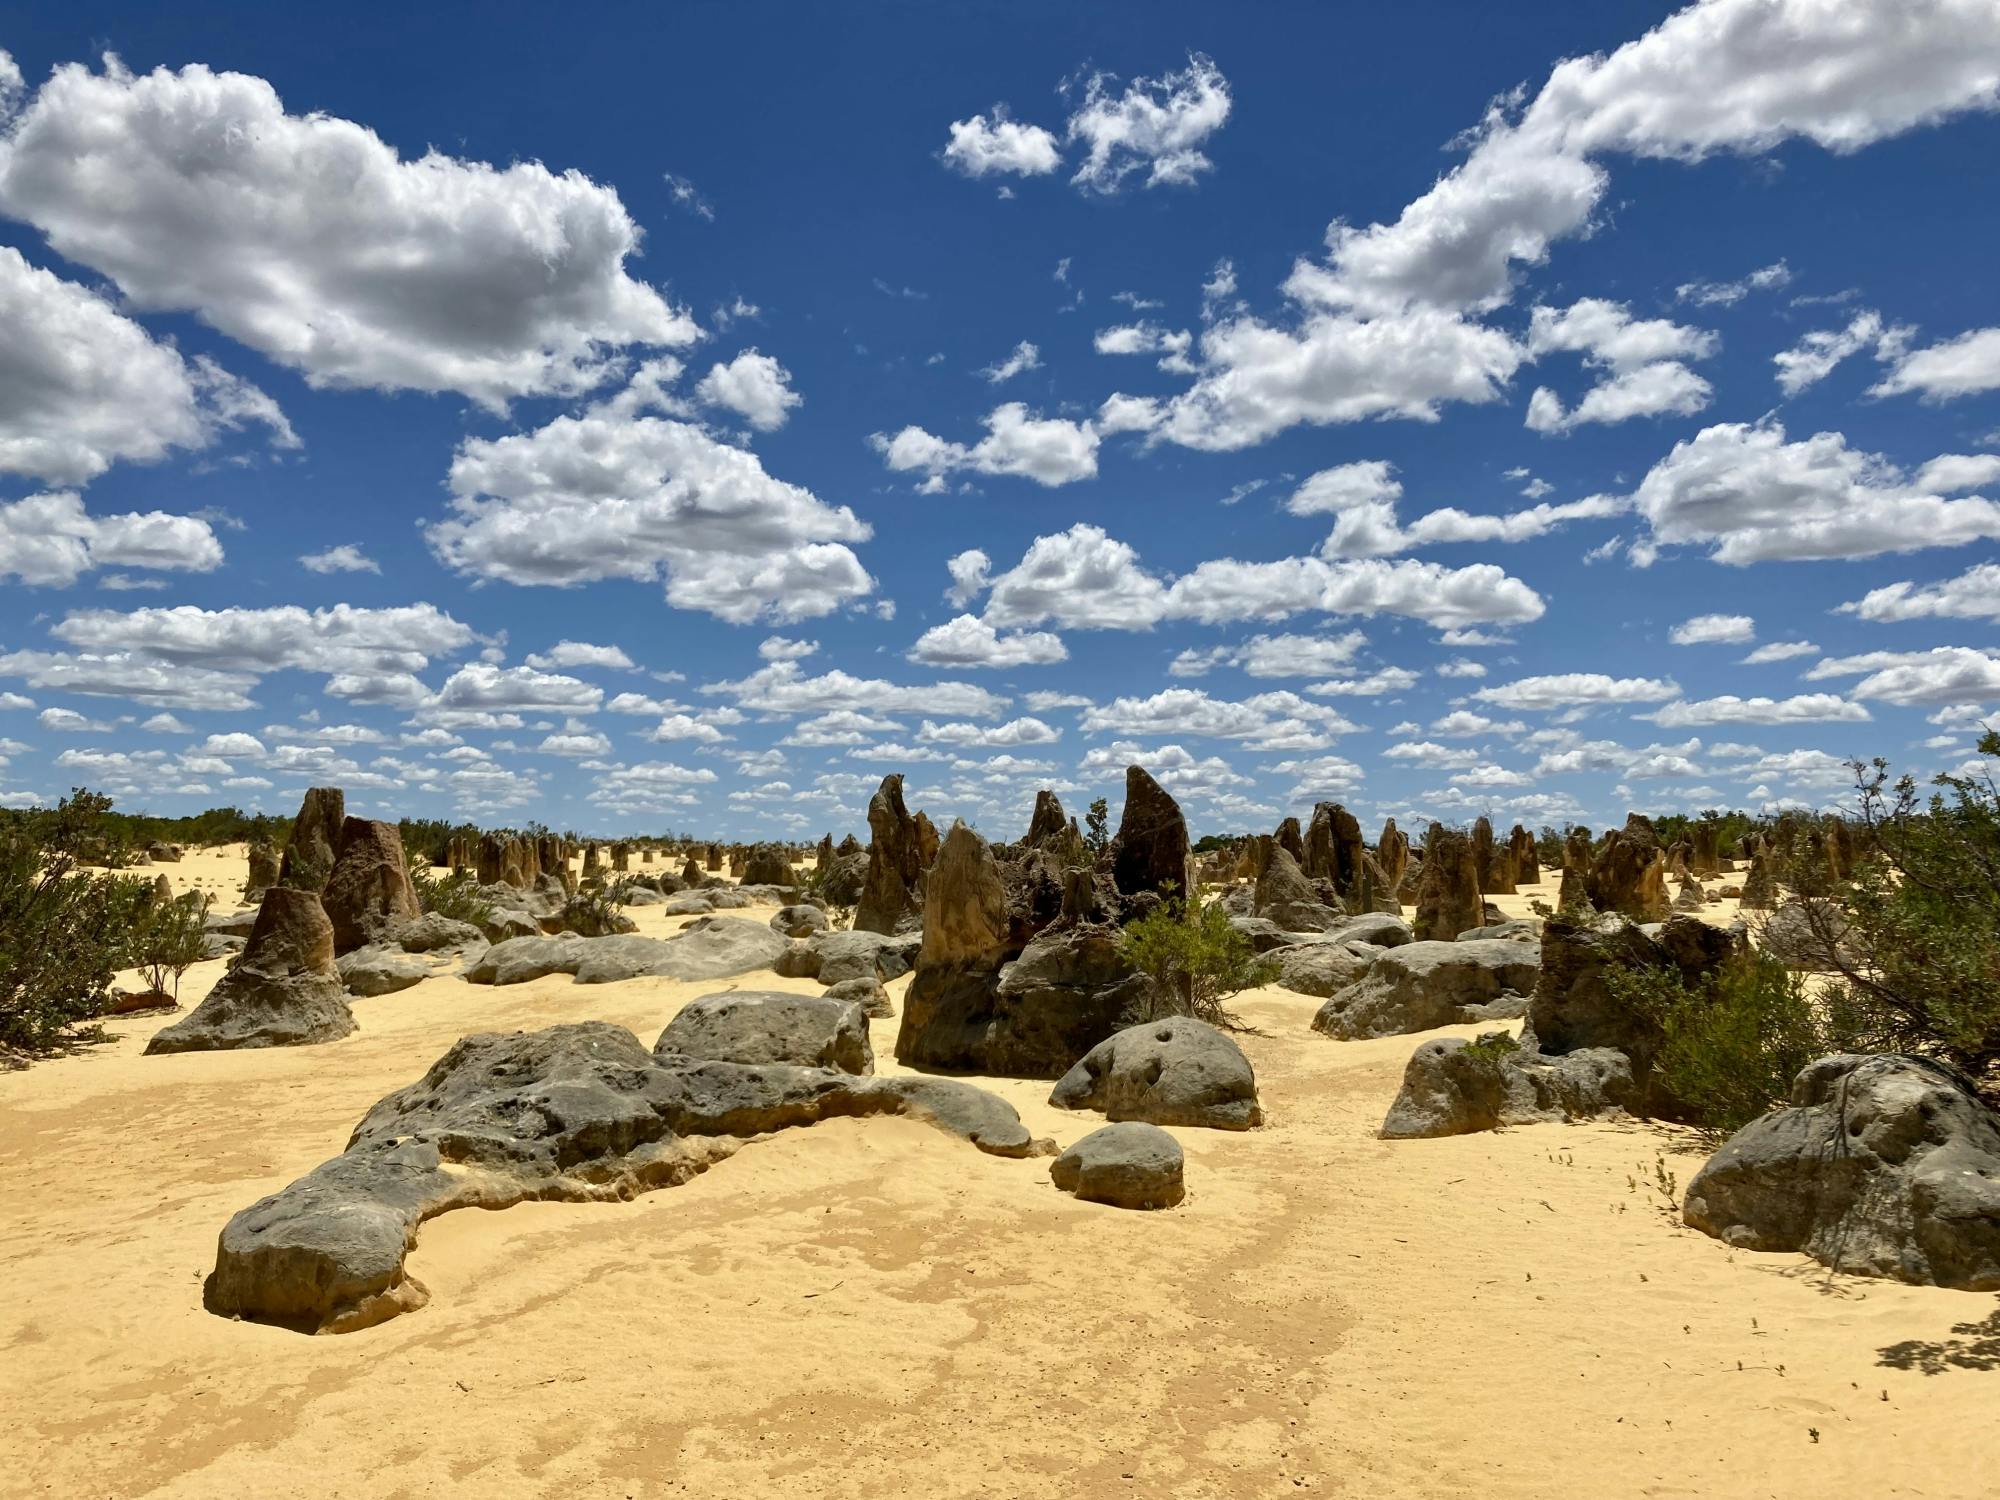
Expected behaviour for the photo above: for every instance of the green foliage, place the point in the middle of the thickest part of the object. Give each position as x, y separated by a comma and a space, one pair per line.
1920, 949
1097, 826
1734, 1043
305, 873
1491, 1046
166, 938
594, 914
62, 933
115, 835
1195, 959
429, 837
455, 895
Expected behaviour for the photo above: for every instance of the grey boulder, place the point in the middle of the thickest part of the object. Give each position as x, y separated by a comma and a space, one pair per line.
1883, 1165
798, 921
576, 1113
381, 970
1129, 1165
770, 1026
1179, 1071
866, 993
1323, 969
1421, 986
1455, 1087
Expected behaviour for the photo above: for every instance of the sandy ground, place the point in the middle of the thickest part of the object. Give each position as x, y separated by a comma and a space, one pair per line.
869, 1308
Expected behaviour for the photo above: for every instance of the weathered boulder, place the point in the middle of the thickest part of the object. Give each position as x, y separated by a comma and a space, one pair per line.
831, 957
1049, 826
965, 906
380, 970
712, 948
767, 864
1760, 886
283, 992
866, 993
1289, 839
1447, 887
798, 921
770, 1026
264, 868
1129, 1165
1178, 1071
577, 1113
1283, 895
368, 892
891, 893
1526, 857
1883, 1165
1378, 929
315, 831
1322, 969
1807, 932
1455, 1087
1628, 873
1392, 852
1071, 987
1424, 985
1150, 852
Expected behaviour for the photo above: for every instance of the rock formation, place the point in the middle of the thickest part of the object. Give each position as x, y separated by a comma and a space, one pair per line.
368, 892
1526, 857
1883, 1165
891, 893
1130, 1165
1392, 852
326, 1255
1423, 985
757, 1027
283, 992
1049, 826
1179, 1071
265, 868
1447, 887
315, 831
1150, 852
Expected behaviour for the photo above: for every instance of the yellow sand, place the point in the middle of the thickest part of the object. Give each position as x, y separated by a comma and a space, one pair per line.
870, 1308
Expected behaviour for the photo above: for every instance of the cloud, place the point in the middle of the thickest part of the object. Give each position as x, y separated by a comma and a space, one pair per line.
580, 654
1944, 674
1277, 656
195, 191
1387, 323
83, 387
51, 541
1972, 595
1015, 732
345, 558
1566, 689
1964, 366
1778, 651
1155, 127
68, 721
968, 641
611, 494
969, 572
1050, 451
1084, 579
1807, 708
754, 386
1755, 497
340, 638
1276, 721
1814, 357
1024, 358
1642, 359
783, 688
1955, 473
124, 675
1728, 293
993, 143
1714, 630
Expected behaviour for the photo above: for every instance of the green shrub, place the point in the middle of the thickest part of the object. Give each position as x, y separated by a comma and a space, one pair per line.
62, 934
455, 895
168, 937
1195, 959
1920, 949
1734, 1043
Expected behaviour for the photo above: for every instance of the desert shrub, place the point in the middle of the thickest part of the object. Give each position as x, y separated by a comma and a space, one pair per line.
1735, 1041
839, 914
63, 934
168, 937
594, 914
1196, 959
455, 895
306, 873
1918, 947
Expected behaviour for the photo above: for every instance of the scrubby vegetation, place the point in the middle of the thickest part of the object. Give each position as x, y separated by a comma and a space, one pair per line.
167, 938
1196, 959
1734, 1043
455, 895
63, 932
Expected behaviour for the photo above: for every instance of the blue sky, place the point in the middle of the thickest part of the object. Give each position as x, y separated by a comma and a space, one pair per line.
680, 421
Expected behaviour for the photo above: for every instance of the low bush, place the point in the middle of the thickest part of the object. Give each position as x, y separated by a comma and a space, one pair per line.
1196, 960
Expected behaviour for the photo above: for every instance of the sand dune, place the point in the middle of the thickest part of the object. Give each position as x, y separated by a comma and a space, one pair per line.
863, 1309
